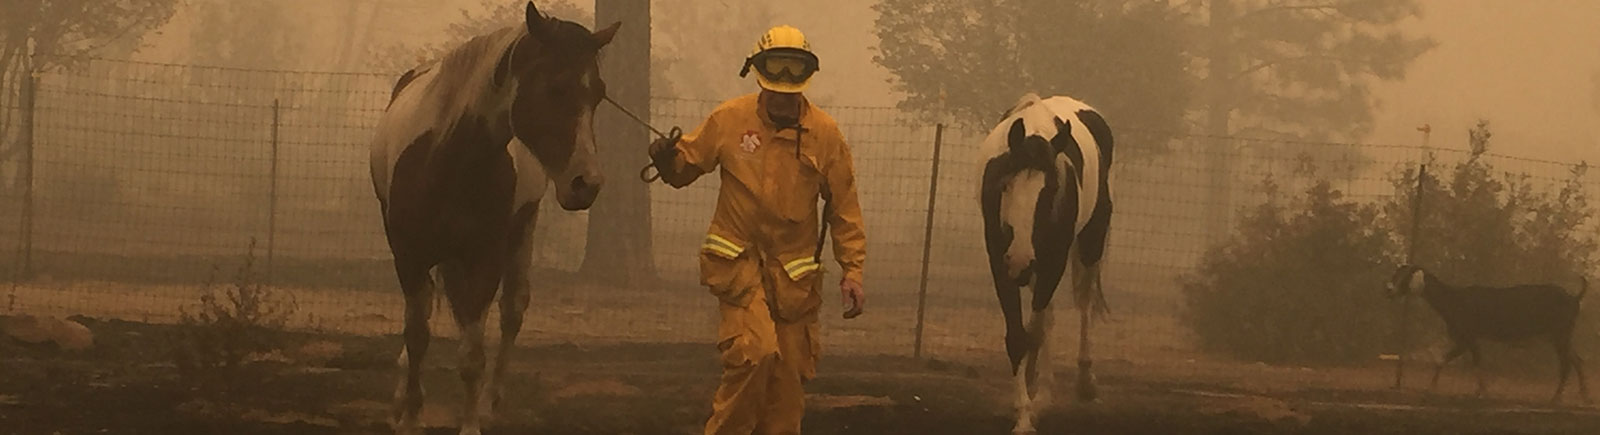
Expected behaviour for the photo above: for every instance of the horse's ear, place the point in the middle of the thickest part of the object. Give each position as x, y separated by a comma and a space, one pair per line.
1063, 137
1018, 133
604, 36
535, 20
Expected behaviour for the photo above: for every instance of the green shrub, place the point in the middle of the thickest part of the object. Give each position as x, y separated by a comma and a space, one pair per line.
1297, 283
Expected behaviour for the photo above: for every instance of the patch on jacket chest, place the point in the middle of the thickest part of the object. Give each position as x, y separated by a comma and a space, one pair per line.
750, 141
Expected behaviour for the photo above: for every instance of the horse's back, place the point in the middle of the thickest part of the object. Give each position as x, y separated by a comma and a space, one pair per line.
1039, 116
406, 119
1069, 111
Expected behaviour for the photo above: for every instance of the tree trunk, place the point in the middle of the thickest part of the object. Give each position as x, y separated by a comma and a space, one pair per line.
619, 249
1219, 154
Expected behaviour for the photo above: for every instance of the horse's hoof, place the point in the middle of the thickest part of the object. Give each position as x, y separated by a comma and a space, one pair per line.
488, 406
399, 421
1042, 399
1087, 392
409, 428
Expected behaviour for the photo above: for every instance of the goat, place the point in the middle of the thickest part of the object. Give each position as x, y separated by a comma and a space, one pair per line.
1046, 205
1504, 314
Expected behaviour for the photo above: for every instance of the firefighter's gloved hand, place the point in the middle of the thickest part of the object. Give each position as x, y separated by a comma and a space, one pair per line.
854, 298
665, 147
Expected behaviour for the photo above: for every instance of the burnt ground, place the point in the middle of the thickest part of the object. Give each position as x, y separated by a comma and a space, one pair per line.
126, 384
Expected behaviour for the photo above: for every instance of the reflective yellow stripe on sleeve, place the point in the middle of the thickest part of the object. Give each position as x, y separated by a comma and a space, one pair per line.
722, 247
800, 267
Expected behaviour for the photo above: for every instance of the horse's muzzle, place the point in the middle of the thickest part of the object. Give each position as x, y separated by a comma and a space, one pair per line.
581, 193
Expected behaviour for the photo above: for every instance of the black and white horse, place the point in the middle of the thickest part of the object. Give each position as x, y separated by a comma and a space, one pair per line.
1046, 201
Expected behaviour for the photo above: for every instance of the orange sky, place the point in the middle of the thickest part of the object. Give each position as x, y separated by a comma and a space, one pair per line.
1527, 65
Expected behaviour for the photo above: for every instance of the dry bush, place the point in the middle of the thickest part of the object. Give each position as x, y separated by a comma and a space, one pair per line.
232, 322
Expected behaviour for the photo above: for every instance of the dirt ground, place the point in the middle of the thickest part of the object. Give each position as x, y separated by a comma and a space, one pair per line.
342, 384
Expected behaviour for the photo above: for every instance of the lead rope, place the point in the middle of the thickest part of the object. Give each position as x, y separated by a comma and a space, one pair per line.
674, 134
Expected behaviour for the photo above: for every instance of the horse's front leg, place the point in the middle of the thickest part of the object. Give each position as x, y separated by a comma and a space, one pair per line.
417, 284
471, 286
1019, 349
513, 304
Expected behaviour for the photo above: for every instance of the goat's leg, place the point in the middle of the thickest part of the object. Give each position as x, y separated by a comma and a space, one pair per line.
418, 286
1570, 362
1564, 357
513, 304
1583, 384
1455, 352
1477, 367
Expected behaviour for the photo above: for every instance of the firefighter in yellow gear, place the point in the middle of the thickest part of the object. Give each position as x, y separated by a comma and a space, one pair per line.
761, 257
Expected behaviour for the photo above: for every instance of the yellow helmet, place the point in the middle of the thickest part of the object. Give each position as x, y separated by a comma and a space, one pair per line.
783, 60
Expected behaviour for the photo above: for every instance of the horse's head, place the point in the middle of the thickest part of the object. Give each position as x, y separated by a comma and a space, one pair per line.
555, 73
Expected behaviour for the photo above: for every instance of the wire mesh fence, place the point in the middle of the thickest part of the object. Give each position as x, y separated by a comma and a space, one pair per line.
149, 178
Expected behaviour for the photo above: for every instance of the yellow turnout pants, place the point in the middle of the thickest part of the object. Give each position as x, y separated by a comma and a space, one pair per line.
766, 359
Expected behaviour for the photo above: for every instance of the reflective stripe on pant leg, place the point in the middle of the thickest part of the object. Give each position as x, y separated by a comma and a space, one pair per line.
749, 345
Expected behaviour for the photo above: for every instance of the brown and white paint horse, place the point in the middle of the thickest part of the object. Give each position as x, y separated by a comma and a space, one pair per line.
1046, 201
461, 159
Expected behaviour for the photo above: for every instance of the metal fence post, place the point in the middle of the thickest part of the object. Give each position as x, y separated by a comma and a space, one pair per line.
272, 200
1411, 256
29, 96
927, 239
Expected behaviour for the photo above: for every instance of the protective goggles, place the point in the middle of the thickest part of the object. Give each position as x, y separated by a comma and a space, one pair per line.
782, 65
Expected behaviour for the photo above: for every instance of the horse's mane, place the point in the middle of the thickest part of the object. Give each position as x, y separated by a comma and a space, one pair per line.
479, 56
562, 35
490, 45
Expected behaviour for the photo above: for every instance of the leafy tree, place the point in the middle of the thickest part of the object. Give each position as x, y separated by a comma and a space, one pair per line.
1296, 68
1303, 66
971, 59
245, 34
62, 33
